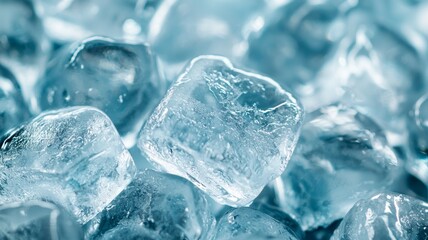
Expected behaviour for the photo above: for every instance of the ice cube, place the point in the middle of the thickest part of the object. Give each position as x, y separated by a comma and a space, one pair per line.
13, 109
385, 216
228, 131
23, 45
341, 157
37, 220
294, 41
76, 153
67, 21
247, 223
156, 205
375, 70
119, 78
183, 29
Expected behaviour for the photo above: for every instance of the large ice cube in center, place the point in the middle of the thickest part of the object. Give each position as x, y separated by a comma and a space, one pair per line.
228, 131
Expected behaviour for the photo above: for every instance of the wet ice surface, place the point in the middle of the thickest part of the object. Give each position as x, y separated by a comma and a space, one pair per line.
247, 223
13, 109
157, 206
385, 216
37, 220
119, 78
73, 156
228, 131
342, 156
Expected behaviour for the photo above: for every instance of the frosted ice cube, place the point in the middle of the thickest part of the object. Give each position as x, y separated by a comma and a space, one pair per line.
75, 153
228, 131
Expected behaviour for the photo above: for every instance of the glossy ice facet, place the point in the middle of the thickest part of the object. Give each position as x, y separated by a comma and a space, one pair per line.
23, 46
247, 223
375, 70
155, 205
342, 156
75, 153
13, 109
73, 20
37, 220
184, 29
228, 131
119, 78
385, 216
294, 41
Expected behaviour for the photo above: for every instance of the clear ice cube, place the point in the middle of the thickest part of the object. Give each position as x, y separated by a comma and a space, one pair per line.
183, 29
67, 21
247, 223
75, 153
37, 220
157, 206
341, 157
375, 70
385, 216
228, 131
23, 45
119, 78
13, 109
294, 41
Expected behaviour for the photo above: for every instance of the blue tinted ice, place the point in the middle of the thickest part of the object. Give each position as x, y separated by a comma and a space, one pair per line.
72, 156
67, 21
184, 29
37, 220
342, 156
119, 78
228, 131
157, 206
386, 216
417, 145
23, 47
294, 41
375, 70
249, 224
13, 109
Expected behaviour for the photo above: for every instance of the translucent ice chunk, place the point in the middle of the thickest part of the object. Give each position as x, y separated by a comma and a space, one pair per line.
184, 29
295, 39
73, 20
375, 70
228, 131
247, 223
341, 157
385, 216
156, 205
37, 220
13, 109
23, 46
119, 78
417, 146
77, 149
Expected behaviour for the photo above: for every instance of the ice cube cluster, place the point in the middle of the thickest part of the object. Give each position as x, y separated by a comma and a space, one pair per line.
213, 119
